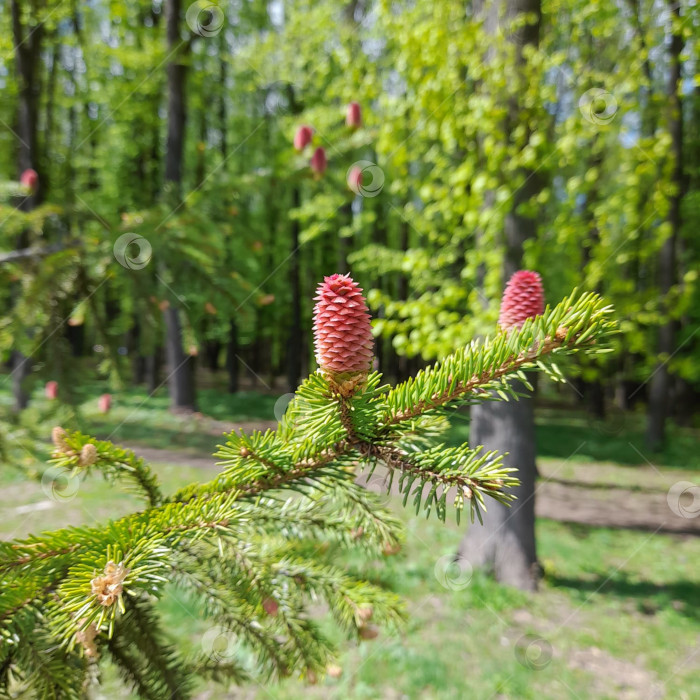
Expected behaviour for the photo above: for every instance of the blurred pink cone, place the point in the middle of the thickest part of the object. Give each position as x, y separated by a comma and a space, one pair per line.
51, 390
303, 136
105, 403
353, 118
29, 179
355, 179
318, 161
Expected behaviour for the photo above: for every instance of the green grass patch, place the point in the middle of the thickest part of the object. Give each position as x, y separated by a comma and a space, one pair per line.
611, 599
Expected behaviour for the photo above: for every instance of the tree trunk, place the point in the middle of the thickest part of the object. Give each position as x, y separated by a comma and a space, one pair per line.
660, 385
212, 350
295, 331
180, 365
505, 544
153, 362
344, 242
27, 51
176, 76
133, 344
232, 363
401, 368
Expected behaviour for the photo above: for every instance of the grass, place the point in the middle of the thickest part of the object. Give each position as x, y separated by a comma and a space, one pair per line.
616, 616
617, 612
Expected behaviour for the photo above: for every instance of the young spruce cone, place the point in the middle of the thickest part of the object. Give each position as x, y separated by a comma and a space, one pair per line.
523, 298
342, 330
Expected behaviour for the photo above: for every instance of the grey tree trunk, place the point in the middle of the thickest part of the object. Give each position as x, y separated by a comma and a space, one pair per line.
180, 365
294, 349
505, 544
660, 386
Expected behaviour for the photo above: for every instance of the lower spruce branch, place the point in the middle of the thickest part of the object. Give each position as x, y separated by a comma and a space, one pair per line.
395, 458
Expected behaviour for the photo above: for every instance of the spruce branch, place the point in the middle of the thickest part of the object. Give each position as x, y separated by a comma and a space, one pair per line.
472, 473
81, 454
473, 373
258, 543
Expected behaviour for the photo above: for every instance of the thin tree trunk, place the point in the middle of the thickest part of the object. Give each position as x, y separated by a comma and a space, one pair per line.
592, 392
344, 242
212, 350
401, 368
232, 363
660, 385
379, 237
27, 50
295, 331
180, 365
180, 382
505, 544
223, 127
153, 362
138, 361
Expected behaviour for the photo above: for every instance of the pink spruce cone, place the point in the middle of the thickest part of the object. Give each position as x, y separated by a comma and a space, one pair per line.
342, 331
303, 136
355, 179
353, 117
29, 179
318, 161
105, 403
523, 298
51, 390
